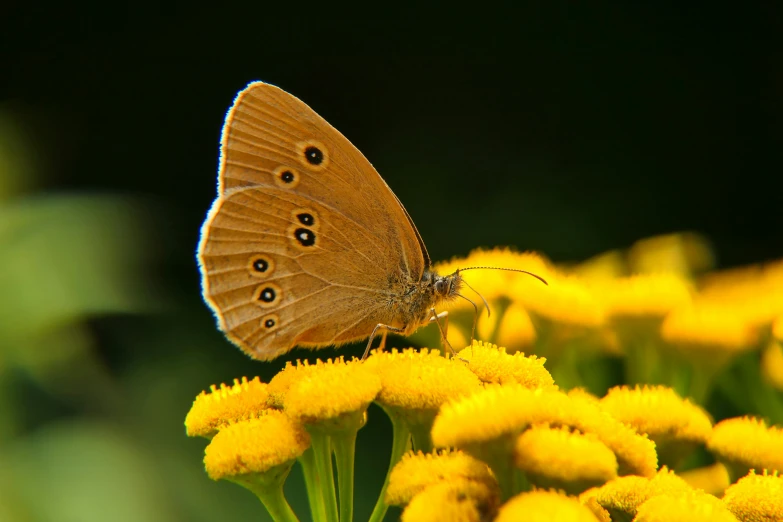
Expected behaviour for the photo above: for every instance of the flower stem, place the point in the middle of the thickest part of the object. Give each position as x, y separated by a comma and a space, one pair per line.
422, 440
313, 485
322, 448
401, 437
275, 503
344, 451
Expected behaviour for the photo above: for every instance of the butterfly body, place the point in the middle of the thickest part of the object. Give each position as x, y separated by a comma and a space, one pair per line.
306, 244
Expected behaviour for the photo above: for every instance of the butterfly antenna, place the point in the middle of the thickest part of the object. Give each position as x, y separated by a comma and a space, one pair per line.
481, 296
501, 268
475, 317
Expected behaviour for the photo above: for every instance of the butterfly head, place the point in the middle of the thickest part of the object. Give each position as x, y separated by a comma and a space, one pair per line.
447, 287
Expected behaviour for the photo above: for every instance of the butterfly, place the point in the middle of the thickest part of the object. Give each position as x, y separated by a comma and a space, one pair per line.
306, 245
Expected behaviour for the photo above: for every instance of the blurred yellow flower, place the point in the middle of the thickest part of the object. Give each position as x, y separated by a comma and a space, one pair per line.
220, 406
511, 327
457, 500
682, 254
566, 301
493, 365
418, 470
708, 328
713, 479
675, 425
746, 443
561, 459
756, 497
544, 506
643, 296
689, 506
256, 446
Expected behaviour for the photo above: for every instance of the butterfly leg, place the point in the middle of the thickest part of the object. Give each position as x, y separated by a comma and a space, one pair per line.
444, 328
386, 328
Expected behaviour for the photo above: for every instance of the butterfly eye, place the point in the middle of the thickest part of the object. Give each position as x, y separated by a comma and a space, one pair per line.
441, 286
314, 155
286, 177
261, 265
268, 295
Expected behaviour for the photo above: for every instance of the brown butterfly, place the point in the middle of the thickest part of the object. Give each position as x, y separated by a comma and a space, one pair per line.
306, 245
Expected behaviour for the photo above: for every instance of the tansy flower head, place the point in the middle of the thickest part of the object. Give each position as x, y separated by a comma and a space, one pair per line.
544, 506
493, 365
266, 444
510, 327
562, 459
332, 394
220, 406
675, 425
292, 373
457, 500
777, 328
754, 292
704, 327
622, 496
756, 497
648, 296
745, 443
417, 471
416, 383
691, 506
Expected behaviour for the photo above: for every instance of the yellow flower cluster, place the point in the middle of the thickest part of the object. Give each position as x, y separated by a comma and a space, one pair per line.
492, 434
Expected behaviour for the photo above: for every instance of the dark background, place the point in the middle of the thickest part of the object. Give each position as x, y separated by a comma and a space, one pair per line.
563, 128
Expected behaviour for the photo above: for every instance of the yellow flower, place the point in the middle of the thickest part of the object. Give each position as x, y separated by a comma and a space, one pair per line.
416, 471
414, 385
255, 446
544, 506
457, 500
562, 459
220, 406
713, 479
681, 253
754, 292
511, 327
709, 328
493, 365
644, 296
675, 425
281, 382
332, 394
684, 507
756, 497
745, 443
622, 496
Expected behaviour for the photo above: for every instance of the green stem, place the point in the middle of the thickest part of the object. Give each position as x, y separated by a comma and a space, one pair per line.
313, 485
401, 437
274, 501
344, 451
322, 448
422, 438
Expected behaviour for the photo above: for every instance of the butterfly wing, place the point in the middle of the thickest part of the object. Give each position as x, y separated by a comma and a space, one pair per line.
302, 244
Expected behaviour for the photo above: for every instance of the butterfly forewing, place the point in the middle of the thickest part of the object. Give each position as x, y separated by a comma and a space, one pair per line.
305, 236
